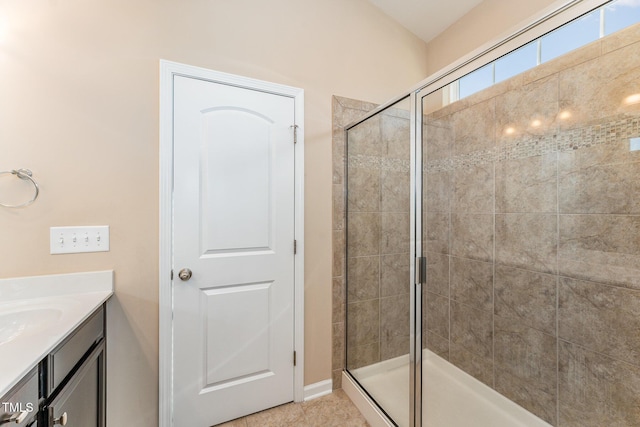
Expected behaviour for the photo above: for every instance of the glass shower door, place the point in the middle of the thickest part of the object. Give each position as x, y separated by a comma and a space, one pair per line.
532, 241
379, 259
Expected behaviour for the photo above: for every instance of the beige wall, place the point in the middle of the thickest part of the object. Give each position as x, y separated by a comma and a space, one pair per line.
486, 22
79, 106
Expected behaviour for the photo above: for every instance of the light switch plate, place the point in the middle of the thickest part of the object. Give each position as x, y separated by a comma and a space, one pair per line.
70, 240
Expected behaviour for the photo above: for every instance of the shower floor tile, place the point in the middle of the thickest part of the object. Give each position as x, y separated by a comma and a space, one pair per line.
333, 410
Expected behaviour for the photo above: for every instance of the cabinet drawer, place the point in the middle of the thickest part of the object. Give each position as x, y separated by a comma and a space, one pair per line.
22, 399
67, 355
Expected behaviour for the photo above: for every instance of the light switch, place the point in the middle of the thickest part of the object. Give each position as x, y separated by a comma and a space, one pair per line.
69, 240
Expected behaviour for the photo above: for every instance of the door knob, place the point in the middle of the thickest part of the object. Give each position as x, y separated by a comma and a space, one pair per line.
185, 274
62, 420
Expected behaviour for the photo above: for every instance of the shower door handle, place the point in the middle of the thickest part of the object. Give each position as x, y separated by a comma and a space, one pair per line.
421, 270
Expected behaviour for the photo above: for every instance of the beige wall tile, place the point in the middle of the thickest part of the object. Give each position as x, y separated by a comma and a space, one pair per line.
437, 187
611, 153
527, 354
338, 207
472, 329
394, 274
437, 344
395, 136
363, 322
338, 350
472, 283
595, 390
364, 233
336, 376
365, 138
338, 156
338, 299
363, 190
474, 128
472, 236
527, 185
394, 316
437, 140
394, 346
602, 248
363, 355
338, 253
601, 318
395, 233
395, 191
477, 366
527, 241
353, 109
585, 187
526, 297
363, 278
534, 400
473, 189
437, 314
438, 273
436, 232
394, 326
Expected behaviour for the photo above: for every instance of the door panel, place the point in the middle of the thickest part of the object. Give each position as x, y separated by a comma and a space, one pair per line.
237, 333
234, 228
232, 223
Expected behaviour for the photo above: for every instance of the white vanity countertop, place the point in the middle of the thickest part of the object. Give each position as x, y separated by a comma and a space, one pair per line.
37, 313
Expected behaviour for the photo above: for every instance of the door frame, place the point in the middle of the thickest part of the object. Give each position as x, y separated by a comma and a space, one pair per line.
168, 70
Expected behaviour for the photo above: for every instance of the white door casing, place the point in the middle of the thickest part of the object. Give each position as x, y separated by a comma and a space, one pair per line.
237, 207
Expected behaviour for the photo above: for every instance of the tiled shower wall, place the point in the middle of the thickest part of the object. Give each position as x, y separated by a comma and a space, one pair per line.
532, 236
378, 205
376, 261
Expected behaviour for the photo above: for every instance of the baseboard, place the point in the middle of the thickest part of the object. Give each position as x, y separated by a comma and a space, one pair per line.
319, 389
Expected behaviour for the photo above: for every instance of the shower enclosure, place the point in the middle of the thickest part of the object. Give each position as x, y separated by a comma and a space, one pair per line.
492, 234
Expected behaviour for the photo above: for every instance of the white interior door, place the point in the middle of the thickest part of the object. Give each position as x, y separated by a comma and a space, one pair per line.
233, 227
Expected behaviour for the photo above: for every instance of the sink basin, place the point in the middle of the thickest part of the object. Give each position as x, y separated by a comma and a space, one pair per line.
25, 321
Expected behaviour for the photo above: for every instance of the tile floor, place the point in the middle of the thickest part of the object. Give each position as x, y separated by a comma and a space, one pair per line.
333, 410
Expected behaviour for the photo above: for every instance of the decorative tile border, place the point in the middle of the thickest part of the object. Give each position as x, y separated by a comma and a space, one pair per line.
532, 145
363, 161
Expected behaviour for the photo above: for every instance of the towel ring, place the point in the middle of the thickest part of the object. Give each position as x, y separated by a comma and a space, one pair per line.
23, 174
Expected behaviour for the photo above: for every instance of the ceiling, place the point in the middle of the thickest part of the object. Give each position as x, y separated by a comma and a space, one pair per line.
426, 18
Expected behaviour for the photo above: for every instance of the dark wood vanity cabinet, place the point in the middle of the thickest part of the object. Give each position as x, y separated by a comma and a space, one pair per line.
67, 387
73, 378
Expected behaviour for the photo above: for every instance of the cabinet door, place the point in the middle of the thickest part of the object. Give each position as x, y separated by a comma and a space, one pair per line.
81, 400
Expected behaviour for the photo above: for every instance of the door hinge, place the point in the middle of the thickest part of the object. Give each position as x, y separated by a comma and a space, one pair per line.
295, 133
295, 359
295, 247
171, 274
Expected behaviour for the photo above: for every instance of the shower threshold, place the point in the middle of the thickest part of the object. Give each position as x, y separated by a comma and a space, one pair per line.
451, 397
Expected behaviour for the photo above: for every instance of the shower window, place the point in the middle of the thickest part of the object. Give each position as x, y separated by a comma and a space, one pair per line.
603, 21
